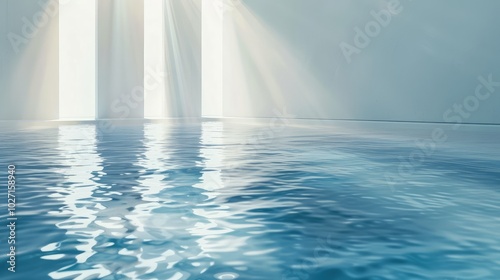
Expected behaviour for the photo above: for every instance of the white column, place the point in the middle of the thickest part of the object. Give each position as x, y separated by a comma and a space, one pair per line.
77, 59
154, 59
212, 17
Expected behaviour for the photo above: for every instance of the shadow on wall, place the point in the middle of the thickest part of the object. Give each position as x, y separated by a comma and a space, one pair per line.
120, 59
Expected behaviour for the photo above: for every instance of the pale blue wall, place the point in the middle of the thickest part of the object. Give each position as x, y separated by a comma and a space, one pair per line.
29, 83
426, 59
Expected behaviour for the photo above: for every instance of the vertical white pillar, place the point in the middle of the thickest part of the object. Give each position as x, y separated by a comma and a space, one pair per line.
154, 59
77, 59
212, 85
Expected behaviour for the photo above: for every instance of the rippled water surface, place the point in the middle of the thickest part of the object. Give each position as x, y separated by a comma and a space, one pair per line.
234, 200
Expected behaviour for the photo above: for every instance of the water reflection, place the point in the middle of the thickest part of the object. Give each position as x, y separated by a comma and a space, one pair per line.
78, 156
213, 216
200, 201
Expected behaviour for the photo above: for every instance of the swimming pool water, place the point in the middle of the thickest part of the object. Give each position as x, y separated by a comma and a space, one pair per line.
252, 200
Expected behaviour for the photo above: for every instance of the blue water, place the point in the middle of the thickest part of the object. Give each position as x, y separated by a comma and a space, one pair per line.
252, 200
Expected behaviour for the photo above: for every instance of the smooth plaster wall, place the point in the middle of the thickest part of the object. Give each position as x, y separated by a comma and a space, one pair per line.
285, 55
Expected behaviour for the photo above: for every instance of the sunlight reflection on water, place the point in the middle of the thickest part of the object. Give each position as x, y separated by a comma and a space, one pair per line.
193, 201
